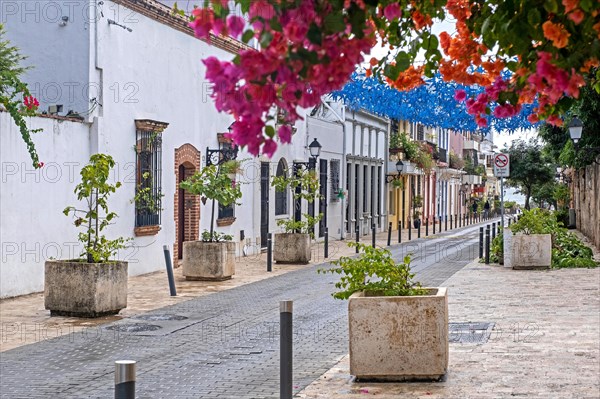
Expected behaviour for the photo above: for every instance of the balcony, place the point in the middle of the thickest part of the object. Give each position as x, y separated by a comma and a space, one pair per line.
471, 145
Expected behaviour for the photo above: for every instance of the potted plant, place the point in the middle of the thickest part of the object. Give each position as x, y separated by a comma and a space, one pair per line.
213, 257
530, 243
293, 244
398, 330
95, 285
417, 203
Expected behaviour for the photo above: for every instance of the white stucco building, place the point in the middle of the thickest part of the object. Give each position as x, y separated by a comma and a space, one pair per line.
125, 78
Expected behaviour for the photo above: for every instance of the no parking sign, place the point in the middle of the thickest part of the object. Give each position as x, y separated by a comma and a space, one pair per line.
501, 165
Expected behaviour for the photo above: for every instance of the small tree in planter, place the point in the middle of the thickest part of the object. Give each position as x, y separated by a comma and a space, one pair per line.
531, 244
398, 330
95, 285
293, 245
212, 258
417, 203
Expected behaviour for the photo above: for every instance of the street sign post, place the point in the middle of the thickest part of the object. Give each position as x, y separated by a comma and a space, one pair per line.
501, 170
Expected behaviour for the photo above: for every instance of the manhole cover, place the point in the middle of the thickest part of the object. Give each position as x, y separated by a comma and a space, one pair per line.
133, 327
160, 317
469, 333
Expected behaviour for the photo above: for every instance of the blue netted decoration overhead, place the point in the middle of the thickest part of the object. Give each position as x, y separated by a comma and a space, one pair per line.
431, 104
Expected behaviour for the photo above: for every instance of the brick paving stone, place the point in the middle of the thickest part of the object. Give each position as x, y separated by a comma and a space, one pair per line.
227, 347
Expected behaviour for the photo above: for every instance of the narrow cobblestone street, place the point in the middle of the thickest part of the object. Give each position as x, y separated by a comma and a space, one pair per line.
220, 345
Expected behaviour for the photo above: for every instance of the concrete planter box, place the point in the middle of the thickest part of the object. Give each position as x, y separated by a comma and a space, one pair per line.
80, 289
399, 338
208, 260
291, 248
532, 251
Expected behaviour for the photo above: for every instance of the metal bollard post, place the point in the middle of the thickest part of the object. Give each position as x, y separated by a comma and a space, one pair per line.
285, 349
509, 219
357, 229
426, 227
434, 225
389, 241
409, 230
419, 230
481, 243
269, 252
125, 379
373, 235
499, 229
326, 249
487, 245
459, 222
450, 222
172, 288
493, 230
399, 231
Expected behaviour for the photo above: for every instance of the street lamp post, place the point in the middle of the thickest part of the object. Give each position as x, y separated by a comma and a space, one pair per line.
315, 151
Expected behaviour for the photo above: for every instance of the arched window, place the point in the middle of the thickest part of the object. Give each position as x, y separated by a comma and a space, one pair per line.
281, 197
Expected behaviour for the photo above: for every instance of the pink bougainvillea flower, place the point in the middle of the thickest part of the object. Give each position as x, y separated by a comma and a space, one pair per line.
460, 95
31, 102
203, 22
570, 5
285, 134
577, 16
235, 25
40, 164
269, 147
392, 11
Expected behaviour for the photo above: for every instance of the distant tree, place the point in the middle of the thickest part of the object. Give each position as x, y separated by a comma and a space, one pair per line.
529, 167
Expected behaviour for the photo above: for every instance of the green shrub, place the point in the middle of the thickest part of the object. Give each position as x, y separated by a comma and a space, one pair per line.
567, 249
374, 271
497, 249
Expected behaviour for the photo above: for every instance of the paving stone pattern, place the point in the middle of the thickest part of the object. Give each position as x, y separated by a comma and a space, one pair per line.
227, 346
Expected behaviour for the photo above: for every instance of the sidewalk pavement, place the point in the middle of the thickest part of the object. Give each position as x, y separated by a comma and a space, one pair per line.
23, 319
545, 341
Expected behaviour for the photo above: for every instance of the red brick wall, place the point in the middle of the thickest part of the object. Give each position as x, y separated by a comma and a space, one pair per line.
188, 156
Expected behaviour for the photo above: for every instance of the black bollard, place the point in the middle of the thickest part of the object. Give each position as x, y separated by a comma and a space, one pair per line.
409, 230
419, 230
493, 231
450, 222
285, 349
509, 219
269, 252
445, 223
426, 227
399, 231
434, 225
481, 243
326, 249
172, 288
389, 241
125, 379
487, 245
373, 235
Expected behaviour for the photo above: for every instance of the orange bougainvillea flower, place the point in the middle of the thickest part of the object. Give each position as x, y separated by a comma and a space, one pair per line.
373, 61
420, 20
557, 33
409, 79
589, 64
570, 5
369, 73
597, 29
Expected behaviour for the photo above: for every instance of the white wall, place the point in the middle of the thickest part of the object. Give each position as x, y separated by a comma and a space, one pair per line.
33, 227
33, 25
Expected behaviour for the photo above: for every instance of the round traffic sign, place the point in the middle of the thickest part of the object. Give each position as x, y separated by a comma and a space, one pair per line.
501, 160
